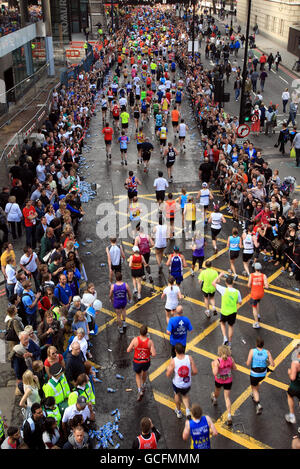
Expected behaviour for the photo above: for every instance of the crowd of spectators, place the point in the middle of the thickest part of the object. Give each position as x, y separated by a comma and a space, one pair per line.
10, 18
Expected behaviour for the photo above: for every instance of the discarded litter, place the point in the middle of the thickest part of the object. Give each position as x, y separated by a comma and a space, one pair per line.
119, 376
111, 390
97, 380
128, 389
109, 350
89, 240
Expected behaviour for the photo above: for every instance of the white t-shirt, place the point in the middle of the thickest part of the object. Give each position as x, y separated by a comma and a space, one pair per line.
32, 266
216, 221
221, 290
11, 274
72, 410
161, 236
160, 184
172, 296
182, 130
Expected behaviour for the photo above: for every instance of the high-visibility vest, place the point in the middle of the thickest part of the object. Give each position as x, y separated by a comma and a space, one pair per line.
2, 433
55, 413
60, 390
87, 392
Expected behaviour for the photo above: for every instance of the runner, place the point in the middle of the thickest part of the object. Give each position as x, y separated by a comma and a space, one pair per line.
162, 133
136, 263
140, 138
144, 243
171, 153
184, 368
177, 328
123, 140
103, 108
131, 184
294, 387
124, 118
118, 296
234, 244
182, 134
249, 242
116, 114
143, 349
190, 216
198, 245
108, 133
206, 278
134, 215
176, 262
146, 149
160, 185
149, 437
257, 282
198, 428
182, 200
160, 233
205, 196
175, 114
216, 219
258, 359
222, 370
172, 292
170, 210
230, 299
115, 254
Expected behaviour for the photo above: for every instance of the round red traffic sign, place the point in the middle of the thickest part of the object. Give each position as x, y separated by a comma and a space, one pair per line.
243, 130
254, 118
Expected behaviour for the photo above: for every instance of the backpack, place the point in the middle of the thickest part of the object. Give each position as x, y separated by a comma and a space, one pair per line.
21, 306
10, 333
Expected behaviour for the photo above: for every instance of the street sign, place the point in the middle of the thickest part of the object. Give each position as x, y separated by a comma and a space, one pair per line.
240, 141
254, 118
243, 130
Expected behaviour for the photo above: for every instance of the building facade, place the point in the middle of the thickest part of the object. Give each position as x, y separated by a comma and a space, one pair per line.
275, 19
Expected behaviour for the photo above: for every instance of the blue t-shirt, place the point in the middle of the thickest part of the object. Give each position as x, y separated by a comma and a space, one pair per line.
179, 326
63, 294
27, 301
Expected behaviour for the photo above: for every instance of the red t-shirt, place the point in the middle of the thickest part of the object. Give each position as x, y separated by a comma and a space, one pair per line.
60, 359
107, 132
27, 212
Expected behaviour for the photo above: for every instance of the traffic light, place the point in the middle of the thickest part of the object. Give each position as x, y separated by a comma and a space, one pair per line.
247, 110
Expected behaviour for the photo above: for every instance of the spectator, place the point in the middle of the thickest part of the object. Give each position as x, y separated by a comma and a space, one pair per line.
33, 428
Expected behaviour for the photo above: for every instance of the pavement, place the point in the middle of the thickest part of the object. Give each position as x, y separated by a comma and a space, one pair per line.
280, 307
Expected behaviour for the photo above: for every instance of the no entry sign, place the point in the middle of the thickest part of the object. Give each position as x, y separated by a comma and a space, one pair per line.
243, 130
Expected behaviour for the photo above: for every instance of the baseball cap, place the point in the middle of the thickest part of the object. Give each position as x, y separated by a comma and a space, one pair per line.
204, 184
55, 369
136, 249
257, 266
81, 400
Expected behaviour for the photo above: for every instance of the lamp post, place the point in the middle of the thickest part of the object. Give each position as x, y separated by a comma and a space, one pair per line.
244, 73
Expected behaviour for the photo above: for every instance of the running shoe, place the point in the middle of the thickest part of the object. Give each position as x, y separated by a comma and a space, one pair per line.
207, 313
138, 161
229, 421
134, 291
125, 162
124, 325
255, 325
214, 311
258, 409
188, 414
122, 162
213, 399
192, 273
178, 413
290, 418
235, 277
139, 297
121, 331
140, 396
225, 341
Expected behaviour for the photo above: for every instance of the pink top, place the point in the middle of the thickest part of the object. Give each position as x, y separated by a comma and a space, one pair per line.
224, 374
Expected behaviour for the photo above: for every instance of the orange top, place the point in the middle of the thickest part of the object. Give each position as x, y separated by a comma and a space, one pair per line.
257, 286
175, 115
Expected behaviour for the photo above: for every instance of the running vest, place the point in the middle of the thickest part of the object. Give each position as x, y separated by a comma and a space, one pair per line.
257, 286
176, 265
248, 244
136, 262
224, 373
190, 211
295, 385
143, 243
134, 211
163, 133
142, 351
115, 254
149, 443
234, 243
183, 372
229, 302
161, 236
259, 363
216, 221
199, 431
132, 184
171, 155
120, 295
170, 208
204, 197
140, 138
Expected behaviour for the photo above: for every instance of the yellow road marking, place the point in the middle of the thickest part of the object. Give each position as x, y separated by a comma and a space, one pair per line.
240, 438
